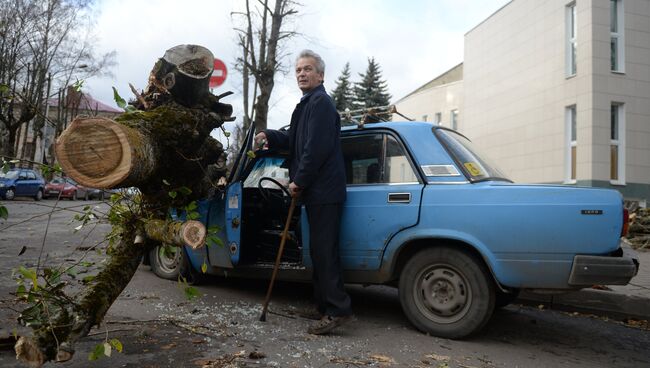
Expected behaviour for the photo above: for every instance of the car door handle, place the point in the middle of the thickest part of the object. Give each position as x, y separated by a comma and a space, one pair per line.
399, 197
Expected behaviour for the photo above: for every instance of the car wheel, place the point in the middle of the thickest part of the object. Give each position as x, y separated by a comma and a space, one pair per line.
10, 194
170, 263
39, 195
446, 292
86, 196
73, 197
101, 195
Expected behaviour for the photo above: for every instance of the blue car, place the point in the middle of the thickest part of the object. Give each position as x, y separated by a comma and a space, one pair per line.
21, 183
425, 213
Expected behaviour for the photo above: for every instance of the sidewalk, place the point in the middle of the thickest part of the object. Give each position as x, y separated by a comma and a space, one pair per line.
629, 301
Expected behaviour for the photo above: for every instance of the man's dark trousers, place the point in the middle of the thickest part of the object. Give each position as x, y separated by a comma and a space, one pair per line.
324, 227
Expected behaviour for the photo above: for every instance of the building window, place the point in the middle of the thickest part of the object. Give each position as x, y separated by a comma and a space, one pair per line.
617, 144
571, 43
425, 117
438, 118
617, 43
454, 119
571, 145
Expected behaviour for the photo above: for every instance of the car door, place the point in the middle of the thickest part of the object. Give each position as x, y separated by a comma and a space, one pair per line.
22, 184
383, 196
34, 183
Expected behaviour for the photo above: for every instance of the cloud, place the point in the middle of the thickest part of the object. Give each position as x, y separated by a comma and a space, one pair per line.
413, 41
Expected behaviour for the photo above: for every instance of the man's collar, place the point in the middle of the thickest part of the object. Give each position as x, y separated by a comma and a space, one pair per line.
307, 94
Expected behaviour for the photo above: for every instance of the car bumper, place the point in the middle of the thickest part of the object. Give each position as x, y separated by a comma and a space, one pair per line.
616, 269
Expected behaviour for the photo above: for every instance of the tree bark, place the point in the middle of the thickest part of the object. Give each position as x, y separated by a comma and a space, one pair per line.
162, 148
177, 233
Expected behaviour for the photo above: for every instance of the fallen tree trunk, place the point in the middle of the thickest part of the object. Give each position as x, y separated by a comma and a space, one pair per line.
177, 233
163, 147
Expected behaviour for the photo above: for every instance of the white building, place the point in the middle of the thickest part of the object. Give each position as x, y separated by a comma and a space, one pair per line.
555, 92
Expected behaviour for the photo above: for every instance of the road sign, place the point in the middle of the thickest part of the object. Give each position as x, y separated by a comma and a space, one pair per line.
219, 74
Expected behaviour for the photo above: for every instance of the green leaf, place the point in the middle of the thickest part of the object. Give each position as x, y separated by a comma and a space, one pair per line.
172, 194
88, 279
78, 85
191, 207
191, 293
29, 274
4, 213
4, 89
226, 134
193, 215
215, 240
21, 291
97, 352
72, 272
116, 344
250, 154
118, 99
204, 267
185, 190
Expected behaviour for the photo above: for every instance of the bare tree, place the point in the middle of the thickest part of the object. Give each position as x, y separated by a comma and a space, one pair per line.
44, 45
261, 39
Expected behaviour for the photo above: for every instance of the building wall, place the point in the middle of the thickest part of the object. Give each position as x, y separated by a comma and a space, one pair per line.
426, 103
516, 90
630, 88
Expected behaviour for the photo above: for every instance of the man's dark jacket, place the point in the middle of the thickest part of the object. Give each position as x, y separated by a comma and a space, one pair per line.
313, 141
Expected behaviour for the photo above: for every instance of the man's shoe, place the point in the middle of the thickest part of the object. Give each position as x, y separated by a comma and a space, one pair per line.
327, 324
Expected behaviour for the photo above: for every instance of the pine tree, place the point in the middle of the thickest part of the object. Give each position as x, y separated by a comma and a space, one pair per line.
372, 91
342, 94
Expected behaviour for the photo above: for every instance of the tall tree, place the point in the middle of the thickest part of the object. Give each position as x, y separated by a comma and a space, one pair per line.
44, 45
372, 91
260, 40
342, 94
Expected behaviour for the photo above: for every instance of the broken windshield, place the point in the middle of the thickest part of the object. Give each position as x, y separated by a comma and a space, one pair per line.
475, 165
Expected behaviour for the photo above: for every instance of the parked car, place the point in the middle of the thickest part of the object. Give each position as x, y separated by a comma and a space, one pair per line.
426, 213
21, 183
64, 188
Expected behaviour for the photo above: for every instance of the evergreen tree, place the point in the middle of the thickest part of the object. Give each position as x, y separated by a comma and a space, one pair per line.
342, 94
372, 91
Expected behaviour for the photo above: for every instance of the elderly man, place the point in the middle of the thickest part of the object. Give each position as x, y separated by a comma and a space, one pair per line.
317, 174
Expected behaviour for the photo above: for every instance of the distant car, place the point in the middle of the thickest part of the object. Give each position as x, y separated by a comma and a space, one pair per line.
66, 187
21, 183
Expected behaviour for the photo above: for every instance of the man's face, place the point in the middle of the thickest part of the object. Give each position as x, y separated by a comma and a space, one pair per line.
306, 74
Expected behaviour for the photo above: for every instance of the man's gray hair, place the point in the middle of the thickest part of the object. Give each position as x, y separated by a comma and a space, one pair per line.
320, 64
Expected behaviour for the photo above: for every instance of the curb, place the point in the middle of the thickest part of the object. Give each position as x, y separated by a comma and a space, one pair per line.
599, 302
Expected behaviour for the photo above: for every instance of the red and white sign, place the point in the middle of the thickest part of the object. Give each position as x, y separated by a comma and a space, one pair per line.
219, 74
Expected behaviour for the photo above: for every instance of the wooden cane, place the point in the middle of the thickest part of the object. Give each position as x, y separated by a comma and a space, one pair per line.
277, 259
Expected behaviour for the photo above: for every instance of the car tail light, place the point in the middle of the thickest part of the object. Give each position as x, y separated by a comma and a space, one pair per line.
626, 222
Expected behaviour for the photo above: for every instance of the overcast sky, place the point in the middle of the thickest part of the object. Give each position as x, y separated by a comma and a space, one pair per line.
413, 41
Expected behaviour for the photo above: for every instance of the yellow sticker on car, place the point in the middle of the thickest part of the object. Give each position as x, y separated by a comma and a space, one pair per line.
474, 169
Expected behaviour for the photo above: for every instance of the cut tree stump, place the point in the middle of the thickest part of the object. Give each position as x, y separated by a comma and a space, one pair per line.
163, 147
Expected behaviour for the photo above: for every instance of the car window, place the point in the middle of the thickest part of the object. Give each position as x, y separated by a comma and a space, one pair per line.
270, 167
13, 174
397, 168
376, 158
57, 181
31, 176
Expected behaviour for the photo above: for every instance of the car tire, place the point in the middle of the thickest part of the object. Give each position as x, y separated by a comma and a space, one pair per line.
101, 195
39, 195
73, 197
171, 266
10, 194
446, 292
86, 196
